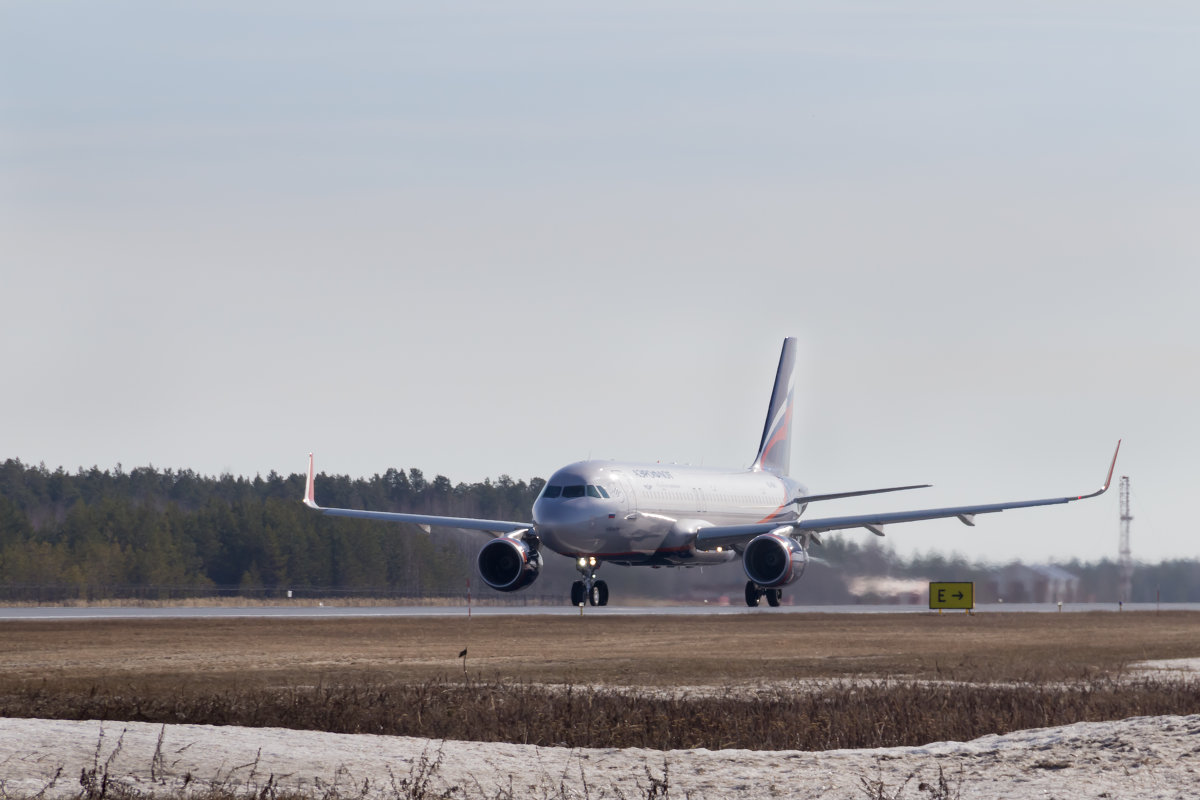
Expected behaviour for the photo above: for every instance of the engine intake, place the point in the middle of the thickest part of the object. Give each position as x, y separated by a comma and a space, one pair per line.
508, 564
773, 559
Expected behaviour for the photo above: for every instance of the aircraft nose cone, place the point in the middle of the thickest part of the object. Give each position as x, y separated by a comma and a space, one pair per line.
558, 512
579, 514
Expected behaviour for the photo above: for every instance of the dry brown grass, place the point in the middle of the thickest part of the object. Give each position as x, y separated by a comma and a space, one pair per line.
885, 679
842, 715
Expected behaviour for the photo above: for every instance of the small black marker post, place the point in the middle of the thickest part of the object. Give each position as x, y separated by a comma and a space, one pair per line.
463, 654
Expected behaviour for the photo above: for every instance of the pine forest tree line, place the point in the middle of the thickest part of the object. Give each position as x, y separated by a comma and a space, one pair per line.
93, 532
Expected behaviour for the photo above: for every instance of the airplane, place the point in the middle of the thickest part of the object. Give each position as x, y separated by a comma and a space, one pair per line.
656, 515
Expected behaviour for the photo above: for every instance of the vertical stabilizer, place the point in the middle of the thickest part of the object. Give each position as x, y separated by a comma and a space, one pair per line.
775, 449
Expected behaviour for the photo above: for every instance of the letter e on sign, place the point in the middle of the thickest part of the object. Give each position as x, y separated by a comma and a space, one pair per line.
955, 594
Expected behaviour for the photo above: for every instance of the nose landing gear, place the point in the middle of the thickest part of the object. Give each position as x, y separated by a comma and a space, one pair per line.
589, 589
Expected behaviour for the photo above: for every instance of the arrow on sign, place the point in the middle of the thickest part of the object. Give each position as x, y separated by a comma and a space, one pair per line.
952, 594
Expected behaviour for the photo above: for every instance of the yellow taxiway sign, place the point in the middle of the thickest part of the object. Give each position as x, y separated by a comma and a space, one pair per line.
952, 595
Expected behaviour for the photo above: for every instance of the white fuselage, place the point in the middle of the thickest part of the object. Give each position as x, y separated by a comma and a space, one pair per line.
649, 513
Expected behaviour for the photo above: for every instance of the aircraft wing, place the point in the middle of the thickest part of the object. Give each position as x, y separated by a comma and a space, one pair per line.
733, 535
494, 526
812, 498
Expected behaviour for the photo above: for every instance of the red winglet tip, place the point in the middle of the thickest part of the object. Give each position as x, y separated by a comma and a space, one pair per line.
1112, 467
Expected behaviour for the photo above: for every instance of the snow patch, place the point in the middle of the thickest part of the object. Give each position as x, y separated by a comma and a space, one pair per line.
1174, 668
1146, 757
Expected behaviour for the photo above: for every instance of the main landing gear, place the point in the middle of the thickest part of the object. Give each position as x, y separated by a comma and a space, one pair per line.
589, 589
754, 593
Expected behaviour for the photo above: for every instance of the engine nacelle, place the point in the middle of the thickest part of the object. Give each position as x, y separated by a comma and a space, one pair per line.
773, 560
508, 564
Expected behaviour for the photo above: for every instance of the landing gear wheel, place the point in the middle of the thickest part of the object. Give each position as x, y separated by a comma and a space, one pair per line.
589, 590
752, 594
773, 597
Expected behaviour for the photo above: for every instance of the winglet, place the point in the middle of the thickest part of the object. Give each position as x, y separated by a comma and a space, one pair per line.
1108, 480
310, 491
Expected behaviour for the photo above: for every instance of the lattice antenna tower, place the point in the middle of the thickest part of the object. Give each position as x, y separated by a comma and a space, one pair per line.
1125, 562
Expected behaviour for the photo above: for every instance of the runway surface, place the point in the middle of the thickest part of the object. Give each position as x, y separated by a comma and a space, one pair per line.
321, 612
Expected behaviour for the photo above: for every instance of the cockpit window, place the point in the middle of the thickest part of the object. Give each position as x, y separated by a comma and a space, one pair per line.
571, 492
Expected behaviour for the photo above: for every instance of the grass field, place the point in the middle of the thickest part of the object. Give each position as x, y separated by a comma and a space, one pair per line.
768, 681
622, 650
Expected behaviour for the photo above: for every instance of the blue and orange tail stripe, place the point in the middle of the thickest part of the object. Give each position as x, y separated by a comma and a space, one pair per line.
775, 448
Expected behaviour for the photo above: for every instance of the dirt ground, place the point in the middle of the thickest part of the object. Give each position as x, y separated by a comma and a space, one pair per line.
624, 650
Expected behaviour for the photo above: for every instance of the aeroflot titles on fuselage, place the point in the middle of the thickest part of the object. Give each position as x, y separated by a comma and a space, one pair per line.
652, 473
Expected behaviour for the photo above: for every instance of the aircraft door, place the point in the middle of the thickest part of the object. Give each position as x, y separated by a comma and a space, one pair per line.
622, 491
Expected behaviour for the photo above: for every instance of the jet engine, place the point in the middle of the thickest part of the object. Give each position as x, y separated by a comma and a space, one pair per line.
507, 564
773, 560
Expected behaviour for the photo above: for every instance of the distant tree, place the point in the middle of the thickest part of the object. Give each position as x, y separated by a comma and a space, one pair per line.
14, 524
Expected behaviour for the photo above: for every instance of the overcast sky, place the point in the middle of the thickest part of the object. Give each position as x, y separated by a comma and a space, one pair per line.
494, 238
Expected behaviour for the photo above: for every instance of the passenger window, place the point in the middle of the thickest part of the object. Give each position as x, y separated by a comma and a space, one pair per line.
552, 492
572, 491
592, 491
